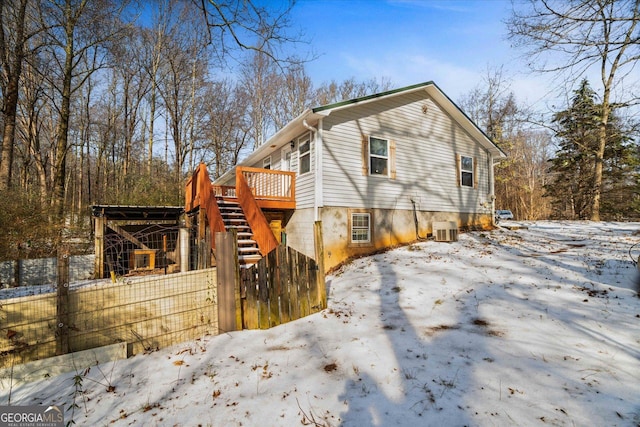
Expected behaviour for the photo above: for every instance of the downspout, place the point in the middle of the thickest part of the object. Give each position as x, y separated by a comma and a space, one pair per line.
415, 218
492, 194
318, 169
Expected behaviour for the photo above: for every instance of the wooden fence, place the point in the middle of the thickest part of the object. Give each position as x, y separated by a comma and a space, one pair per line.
156, 311
145, 312
284, 285
281, 287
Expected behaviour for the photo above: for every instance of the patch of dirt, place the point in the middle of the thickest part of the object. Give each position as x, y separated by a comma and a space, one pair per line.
485, 325
480, 322
434, 329
279, 347
330, 367
593, 292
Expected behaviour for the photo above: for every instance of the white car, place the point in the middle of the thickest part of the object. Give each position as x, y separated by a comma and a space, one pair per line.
504, 214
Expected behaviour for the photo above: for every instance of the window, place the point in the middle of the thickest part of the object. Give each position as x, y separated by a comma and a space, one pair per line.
266, 163
360, 223
360, 227
378, 156
466, 171
304, 155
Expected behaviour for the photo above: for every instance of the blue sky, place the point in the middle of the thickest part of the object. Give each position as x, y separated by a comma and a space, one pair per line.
452, 43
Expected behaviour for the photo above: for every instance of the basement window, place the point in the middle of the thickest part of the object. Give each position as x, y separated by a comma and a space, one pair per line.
360, 227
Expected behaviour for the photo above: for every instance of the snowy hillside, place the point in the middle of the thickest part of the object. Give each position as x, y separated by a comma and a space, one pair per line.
537, 326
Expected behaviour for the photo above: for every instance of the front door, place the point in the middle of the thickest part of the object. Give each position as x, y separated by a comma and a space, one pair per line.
286, 159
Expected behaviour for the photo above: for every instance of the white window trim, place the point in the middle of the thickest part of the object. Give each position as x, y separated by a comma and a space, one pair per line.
266, 162
304, 139
369, 229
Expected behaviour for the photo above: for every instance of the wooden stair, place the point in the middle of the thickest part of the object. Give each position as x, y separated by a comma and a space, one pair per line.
233, 218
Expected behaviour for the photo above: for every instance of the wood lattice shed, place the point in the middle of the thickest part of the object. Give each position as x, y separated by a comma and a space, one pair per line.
139, 239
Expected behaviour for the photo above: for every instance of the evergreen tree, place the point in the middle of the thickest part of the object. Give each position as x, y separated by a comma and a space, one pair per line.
574, 165
621, 175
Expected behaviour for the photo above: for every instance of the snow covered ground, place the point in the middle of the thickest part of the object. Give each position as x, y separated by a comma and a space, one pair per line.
537, 326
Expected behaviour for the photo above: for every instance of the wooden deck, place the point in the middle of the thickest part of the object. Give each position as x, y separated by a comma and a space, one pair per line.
272, 189
255, 190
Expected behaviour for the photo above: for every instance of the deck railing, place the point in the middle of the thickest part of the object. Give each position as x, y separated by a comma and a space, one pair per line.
255, 189
270, 188
224, 191
267, 184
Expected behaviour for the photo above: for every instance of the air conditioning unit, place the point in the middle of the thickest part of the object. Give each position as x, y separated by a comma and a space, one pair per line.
445, 231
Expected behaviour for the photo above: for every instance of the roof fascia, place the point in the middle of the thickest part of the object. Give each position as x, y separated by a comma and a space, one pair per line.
292, 130
327, 109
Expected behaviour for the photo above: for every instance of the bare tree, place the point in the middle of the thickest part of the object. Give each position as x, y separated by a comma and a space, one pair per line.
105, 120
31, 140
520, 178
227, 131
129, 70
86, 134
530, 149
155, 38
493, 107
15, 31
183, 72
573, 37
77, 28
333, 91
295, 94
263, 30
259, 79
248, 25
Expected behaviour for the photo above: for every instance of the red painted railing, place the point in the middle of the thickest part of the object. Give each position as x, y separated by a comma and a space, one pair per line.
262, 233
255, 189
270, 184
199, 193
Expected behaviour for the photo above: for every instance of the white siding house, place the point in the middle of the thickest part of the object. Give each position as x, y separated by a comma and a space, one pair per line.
379, 170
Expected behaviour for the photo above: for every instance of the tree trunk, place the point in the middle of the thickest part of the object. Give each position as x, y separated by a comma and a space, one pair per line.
602, 143
6, 156
597, 173
152, 116
127, 134
63, 127
12, 69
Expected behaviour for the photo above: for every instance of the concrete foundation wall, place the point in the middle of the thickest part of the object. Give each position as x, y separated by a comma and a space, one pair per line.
299, 231
391, 227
